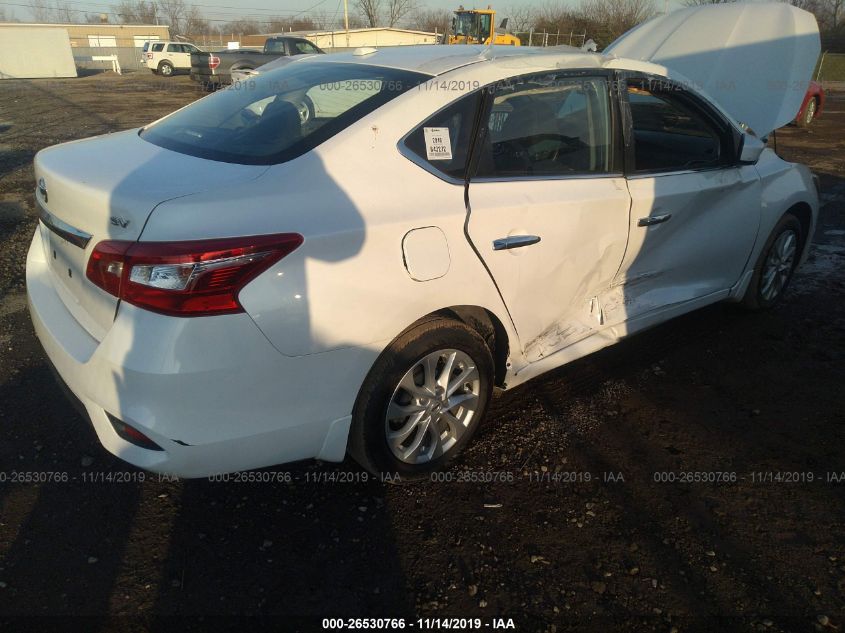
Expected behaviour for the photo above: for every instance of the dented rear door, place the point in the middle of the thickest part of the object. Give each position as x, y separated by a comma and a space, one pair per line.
549, 214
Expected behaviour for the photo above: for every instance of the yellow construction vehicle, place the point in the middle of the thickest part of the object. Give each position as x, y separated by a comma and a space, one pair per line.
477, 26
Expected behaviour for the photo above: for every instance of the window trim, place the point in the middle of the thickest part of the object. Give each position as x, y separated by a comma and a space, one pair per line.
615, 170
418, 160
698, 103
615, 162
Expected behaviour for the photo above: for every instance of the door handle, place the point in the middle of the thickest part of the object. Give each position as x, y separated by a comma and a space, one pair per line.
514, 241
654, 219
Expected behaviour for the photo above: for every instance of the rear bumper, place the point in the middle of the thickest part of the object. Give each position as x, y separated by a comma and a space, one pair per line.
206, 76
211, 391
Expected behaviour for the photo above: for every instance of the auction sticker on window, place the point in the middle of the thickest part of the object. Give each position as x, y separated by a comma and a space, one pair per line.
438, 146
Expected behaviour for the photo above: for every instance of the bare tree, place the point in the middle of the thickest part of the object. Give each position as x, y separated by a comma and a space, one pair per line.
696, 3
240, 27
137, 12
173, 13
323, 20
193, 22
520, 19
617, 16
277, 25
357, 21
432, 20
54, 11
370, 11
398, 9
829, 13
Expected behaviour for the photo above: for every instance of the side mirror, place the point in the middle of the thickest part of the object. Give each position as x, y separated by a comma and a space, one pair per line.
750, 150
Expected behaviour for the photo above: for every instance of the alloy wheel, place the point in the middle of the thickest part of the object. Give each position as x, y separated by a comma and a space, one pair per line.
433, 406
779, 265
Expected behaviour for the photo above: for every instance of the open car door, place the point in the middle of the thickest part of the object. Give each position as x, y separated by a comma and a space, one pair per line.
754, 60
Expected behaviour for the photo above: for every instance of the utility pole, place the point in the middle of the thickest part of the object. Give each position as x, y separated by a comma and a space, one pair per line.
346, 20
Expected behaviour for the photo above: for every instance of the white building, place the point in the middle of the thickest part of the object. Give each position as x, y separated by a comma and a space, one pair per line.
339, 39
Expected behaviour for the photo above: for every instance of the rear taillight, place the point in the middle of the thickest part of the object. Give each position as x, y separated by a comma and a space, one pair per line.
213, 62
195, 278
132, 435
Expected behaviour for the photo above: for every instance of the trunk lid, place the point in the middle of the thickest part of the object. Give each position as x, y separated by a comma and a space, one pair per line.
105, 188
754, 60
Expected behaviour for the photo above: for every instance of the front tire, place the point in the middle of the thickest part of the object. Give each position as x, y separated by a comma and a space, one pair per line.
776, 264
423, 400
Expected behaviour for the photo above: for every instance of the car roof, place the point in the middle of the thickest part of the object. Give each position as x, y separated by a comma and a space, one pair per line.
439, 59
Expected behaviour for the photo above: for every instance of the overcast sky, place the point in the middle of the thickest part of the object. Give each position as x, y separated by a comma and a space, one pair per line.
228, 10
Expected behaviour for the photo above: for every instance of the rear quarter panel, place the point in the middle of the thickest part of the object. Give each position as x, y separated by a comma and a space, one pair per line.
354, 199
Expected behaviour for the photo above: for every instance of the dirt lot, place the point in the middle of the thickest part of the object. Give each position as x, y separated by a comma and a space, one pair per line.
716, 391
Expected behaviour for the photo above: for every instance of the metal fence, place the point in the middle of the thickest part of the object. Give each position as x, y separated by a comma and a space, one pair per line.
129, 57
547, 38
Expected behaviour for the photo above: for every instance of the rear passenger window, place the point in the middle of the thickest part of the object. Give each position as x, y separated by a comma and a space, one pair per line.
548, 126
443, 141
670, 134
174, 48
304, 48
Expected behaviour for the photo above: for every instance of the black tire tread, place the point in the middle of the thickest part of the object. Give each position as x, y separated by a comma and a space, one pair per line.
367, 415
752, 300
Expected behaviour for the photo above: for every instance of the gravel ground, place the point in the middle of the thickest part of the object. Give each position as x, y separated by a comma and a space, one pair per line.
578, 532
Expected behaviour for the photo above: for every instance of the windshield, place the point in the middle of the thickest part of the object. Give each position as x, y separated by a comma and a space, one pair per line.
280, 114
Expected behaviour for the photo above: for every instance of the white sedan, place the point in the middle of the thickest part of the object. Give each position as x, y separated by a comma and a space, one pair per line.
236, 285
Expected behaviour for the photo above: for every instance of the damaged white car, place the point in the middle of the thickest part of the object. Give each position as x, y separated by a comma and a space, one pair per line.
236, 285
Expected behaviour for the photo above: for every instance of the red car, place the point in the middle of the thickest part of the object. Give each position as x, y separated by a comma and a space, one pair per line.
812, 105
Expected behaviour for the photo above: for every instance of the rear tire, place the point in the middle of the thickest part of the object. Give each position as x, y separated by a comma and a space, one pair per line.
775, 265
165, 69
422, 401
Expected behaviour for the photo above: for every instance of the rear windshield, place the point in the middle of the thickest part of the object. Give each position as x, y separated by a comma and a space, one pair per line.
274, 46
280, 114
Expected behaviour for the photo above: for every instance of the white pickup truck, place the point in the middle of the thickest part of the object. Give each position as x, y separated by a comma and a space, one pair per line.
165, 58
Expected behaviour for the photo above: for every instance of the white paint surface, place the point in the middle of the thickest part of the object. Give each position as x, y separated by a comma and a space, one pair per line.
32, 53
